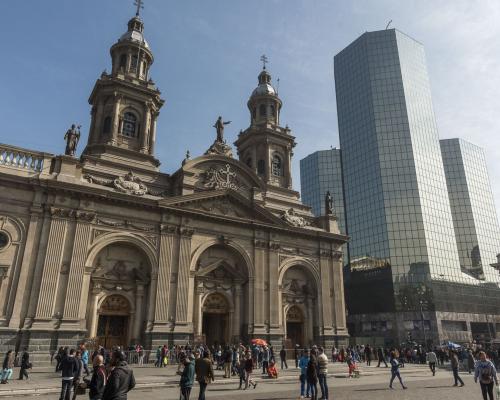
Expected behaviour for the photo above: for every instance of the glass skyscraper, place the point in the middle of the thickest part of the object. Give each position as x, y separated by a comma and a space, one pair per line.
321, 172
403, 251
472, 206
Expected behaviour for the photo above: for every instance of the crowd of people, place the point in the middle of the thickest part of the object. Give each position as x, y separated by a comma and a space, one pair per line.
111, 377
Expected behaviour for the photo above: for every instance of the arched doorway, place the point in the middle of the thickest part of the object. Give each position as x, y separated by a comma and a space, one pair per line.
216, 324
295, 326
113, 321
119, 295
299, 302
221, 296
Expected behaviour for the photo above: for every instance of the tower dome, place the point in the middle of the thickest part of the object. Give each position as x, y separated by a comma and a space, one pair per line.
264, 103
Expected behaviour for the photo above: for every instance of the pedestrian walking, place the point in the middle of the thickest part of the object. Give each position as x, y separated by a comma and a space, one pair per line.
265, 359
228, 359
78, 377
59, 357
85, 359
283, 358
432, 360
470, 361
7, 367
312, 376
204, 373
187, 378
454, 367
486, 373
304, 385
395, 369
381, 358
121, 379
25, 365
323, 373
69, 368
296, 355
248, 372
98, 380
368, 355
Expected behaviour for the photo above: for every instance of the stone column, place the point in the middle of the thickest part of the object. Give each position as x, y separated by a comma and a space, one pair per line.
339, 298
22, 295
145, 128
199, 313
152, 142
93, 312
73, 307
139, 295
326, 301
153, 285
185, 286
309, 319
96, 127
116, 118
237, 312
52, 264
259, 284
288, 166
274, 300
167, 239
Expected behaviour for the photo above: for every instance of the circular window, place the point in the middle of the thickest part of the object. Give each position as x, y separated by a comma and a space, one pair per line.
4, 240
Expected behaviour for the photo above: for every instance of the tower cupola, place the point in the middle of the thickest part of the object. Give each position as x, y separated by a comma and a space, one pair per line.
264, 103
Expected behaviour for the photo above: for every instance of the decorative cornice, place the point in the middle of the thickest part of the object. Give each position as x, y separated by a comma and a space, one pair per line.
168, 229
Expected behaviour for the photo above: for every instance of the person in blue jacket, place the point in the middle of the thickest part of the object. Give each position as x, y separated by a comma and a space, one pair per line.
304, 386
395, 369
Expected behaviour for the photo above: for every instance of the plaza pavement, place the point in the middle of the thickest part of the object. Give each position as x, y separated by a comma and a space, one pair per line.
162, 383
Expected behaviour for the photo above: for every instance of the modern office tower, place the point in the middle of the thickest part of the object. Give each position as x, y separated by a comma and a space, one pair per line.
403, 251
321, 172
472, 206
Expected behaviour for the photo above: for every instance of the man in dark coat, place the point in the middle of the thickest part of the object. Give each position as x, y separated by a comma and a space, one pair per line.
204, 373
121, 380
98, 380
25, 365
69, 368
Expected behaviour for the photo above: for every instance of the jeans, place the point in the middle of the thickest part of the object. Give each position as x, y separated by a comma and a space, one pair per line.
487, 389
6, 374
394, 375
323, 385
203, 388
304, 390
265, 364
314, 390
185, 393
432, 366
457, 377
66, 390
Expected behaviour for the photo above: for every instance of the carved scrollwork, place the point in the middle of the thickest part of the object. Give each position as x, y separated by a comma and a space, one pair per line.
62, 212
129, 184
86, 216
291, 217
221, 178
186, 231
170, 229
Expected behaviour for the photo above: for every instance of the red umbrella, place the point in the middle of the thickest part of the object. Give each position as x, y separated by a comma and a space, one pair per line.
259, 342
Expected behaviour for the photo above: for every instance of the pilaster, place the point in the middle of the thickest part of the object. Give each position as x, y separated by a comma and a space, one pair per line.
273, 290
259, 284
185, 284
326, 301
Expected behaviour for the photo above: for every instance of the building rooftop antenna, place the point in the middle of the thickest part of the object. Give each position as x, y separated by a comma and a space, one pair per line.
387, 27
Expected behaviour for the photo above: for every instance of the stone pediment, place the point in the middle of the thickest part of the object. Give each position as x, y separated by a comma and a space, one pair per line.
224, 203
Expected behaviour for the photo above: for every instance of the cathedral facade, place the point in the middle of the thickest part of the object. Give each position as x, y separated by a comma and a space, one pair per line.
107, 248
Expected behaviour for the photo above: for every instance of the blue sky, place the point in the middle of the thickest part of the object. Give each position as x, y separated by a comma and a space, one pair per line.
207, 61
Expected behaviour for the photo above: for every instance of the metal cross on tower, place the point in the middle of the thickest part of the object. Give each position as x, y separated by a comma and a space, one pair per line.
264, 60
140, 5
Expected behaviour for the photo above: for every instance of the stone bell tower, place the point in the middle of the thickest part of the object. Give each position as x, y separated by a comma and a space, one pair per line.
265, 146
125, 106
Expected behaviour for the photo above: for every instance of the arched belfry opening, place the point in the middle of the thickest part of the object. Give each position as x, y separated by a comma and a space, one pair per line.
222, 296
119, 295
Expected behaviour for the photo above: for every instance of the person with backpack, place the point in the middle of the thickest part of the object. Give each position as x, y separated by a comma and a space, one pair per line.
486, 373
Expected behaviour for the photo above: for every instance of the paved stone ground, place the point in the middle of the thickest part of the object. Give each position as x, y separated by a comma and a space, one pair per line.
162, 384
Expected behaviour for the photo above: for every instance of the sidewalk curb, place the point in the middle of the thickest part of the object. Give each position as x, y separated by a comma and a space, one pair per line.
173, 384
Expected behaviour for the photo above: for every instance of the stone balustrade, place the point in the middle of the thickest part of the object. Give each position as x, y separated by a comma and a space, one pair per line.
23, 159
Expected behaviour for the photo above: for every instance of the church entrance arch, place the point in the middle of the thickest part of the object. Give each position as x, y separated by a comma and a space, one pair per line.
295, 326
216, 319
113, 318
119, 295
221, 296
300, 306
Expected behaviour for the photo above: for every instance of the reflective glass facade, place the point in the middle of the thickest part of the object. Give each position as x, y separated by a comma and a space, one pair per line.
473, 209
397, 204
320, 172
